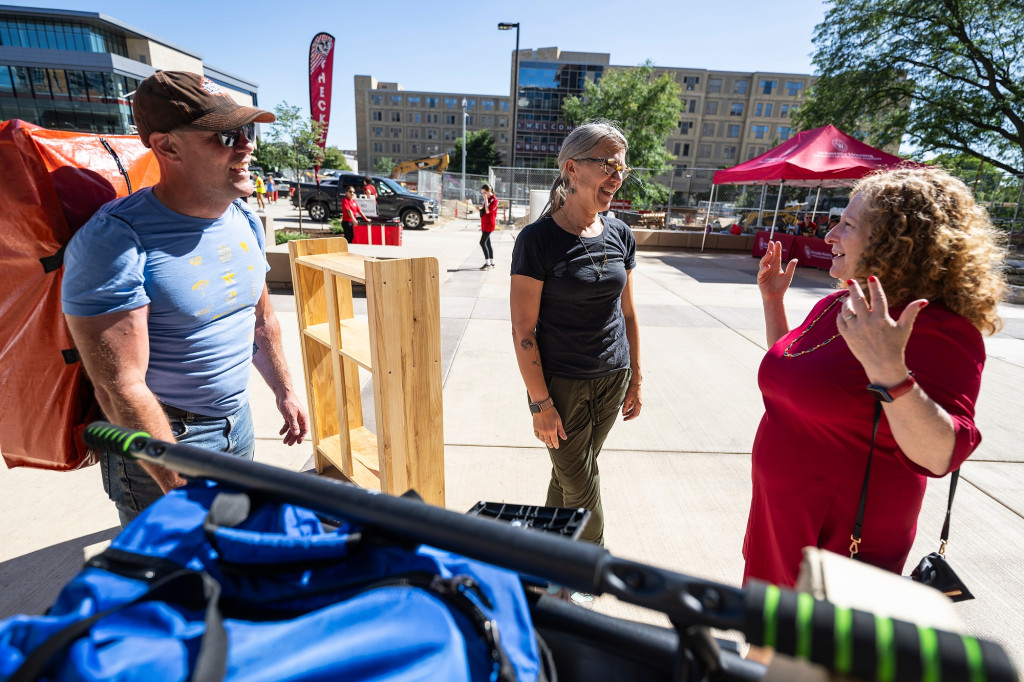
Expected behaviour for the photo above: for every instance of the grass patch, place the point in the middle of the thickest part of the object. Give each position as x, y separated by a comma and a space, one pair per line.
282, 236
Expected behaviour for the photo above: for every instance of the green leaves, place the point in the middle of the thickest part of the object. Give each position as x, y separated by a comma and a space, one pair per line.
946, 75
481, 153
646, 106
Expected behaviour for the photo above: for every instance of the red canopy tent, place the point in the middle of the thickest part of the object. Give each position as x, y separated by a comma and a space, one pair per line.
823, 157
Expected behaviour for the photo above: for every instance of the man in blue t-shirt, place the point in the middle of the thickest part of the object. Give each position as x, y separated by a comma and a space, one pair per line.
164, 290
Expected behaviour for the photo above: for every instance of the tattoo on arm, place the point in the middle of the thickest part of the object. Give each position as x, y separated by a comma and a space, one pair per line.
535, 363
526, 344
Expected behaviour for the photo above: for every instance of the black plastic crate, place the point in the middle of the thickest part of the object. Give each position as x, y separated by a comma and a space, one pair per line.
560, 520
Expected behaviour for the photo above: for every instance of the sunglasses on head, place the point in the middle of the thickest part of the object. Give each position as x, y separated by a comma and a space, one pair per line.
229, 138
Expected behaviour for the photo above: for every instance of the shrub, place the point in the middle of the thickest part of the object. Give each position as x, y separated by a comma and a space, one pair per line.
282, 236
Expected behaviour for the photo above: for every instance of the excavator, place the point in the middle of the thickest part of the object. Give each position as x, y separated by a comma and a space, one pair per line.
437, 163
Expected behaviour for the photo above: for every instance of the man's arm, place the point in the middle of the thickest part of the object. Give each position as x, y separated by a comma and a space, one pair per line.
268, 357
115, 352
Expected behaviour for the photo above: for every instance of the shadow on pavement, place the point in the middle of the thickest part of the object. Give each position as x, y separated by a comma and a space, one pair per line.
50, 568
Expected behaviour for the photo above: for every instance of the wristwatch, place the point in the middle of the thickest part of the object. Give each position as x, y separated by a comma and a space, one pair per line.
887, 395
542, 405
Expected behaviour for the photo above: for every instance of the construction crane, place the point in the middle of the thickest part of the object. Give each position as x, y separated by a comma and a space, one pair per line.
437, 163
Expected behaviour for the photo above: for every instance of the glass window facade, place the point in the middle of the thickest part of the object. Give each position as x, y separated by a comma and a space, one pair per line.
89, 101
543, 87
55, 34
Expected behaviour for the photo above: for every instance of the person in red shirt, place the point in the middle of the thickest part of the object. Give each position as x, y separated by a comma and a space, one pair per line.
807, 227
349, 212
368, 187
914, 255
488, 218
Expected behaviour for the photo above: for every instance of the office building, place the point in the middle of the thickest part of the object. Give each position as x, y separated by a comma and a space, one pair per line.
727, 117
403, 125
73, 70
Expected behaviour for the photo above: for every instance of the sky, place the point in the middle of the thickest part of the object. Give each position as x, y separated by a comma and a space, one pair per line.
455, 46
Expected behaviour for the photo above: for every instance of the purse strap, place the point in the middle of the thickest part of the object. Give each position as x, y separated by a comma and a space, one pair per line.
858, 524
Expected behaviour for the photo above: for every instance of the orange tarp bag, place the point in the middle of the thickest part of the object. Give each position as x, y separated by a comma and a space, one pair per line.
51, 182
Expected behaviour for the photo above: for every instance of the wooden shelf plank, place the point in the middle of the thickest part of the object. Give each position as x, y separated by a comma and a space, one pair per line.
365, 459
330, 449
348, 265
320, 333
354, 334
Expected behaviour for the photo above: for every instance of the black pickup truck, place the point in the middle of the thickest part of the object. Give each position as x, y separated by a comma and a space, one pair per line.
393, 200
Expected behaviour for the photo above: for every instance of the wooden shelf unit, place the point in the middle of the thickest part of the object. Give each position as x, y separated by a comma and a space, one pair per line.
399, 342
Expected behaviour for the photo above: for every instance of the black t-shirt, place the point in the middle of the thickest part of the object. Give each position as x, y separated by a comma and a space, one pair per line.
581, 333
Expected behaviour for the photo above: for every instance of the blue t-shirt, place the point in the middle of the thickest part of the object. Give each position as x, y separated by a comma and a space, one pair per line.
201, 279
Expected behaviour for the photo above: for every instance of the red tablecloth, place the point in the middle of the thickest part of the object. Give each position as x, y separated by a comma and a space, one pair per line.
761, 244
812, 252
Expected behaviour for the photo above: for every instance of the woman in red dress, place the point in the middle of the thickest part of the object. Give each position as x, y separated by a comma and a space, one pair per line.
914, 254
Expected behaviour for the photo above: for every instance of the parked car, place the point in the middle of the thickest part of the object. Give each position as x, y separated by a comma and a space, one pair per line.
393, 200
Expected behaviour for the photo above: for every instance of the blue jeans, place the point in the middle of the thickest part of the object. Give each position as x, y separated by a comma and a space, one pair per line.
132, 489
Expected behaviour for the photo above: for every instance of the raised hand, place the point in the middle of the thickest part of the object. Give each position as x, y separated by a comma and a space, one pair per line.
875, 339
772, 279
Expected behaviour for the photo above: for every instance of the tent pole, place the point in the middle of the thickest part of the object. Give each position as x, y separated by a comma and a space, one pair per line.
814, 213
707, 217
760, 208
778, 200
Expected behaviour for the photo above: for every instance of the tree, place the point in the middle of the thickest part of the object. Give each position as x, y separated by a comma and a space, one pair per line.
647, 109
481, 153
333, 158
949, 74
295, 137
384, 166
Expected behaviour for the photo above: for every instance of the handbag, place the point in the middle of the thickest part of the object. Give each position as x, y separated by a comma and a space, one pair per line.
934, 569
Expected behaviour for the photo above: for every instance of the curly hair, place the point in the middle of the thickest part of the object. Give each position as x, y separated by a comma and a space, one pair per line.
931, 240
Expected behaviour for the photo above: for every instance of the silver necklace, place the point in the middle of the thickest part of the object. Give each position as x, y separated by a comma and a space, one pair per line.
604, 246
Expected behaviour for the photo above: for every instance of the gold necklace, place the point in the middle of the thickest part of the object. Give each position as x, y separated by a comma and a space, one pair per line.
787, 354
604, 244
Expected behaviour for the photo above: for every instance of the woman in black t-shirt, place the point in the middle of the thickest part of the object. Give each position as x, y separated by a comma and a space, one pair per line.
573, 319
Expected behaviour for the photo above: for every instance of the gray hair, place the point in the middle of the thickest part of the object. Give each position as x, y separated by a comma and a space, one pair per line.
580, 143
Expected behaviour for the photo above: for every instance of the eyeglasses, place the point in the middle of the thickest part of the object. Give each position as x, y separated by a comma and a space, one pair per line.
611, 166
229, 138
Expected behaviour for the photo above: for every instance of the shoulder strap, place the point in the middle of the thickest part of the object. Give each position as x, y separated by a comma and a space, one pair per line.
195, 590
859, 522
855, 537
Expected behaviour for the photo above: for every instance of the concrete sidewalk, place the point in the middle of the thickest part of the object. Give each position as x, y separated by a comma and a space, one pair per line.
676, 481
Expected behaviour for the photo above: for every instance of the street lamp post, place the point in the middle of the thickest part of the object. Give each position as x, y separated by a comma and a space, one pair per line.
507, 26
463, 192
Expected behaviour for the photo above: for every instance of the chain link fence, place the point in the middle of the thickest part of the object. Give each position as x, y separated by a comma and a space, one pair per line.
696, 204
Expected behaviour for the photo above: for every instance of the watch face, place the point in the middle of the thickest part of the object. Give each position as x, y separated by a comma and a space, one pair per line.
880, 393
535, 408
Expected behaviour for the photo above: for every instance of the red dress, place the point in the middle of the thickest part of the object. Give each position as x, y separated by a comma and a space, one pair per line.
812, 444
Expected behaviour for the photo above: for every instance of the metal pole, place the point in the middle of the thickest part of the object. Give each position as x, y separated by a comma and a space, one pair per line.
462, 194
671, 189
704, 236
815, 211
760, 208
515, 103
505, 26
778, 200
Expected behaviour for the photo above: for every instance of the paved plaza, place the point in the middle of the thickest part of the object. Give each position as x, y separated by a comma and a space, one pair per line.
676, 480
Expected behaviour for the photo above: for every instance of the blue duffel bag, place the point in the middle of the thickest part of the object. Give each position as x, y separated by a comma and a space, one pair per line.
208, 584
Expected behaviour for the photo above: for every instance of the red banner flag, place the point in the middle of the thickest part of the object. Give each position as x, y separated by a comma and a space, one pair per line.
321, 68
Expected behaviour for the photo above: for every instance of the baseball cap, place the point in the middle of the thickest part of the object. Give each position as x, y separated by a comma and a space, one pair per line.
174, 99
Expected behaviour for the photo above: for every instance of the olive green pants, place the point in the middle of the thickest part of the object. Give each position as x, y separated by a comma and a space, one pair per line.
588, 408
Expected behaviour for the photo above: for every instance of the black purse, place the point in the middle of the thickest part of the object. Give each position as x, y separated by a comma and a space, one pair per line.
933, 570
